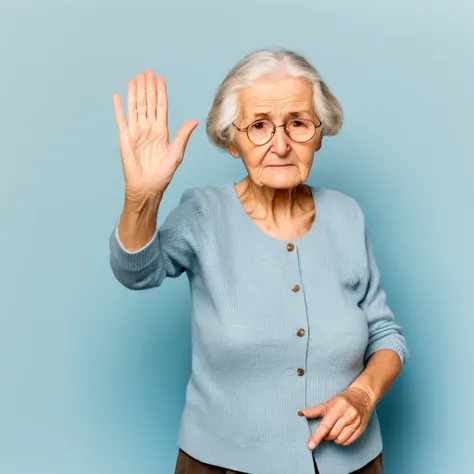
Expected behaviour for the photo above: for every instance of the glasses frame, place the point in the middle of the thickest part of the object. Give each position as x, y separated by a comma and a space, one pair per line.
284, 125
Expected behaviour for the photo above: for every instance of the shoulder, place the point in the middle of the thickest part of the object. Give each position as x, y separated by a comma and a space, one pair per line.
344, 222
204, 193
340, 204
210, 198
201, 204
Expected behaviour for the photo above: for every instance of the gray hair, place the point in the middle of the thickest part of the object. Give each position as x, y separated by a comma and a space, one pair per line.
269, 62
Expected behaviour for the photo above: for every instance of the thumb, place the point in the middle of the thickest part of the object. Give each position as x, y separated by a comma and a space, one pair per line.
317, 411
182, 137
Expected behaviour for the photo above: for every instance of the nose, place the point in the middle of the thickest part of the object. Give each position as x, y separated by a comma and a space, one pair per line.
280, 142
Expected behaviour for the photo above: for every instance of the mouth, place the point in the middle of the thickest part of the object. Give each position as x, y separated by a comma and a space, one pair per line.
277, 166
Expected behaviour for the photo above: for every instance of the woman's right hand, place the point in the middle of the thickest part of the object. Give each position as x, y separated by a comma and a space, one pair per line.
149, 161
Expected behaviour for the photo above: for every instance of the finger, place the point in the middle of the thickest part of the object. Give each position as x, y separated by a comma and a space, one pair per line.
132, 103
150, 95
326, 425
124, 132
346, 433
353, 438
317, 411
340, 424
349, 416
124, 136
182, 137
162, 107
141, 99
119, 115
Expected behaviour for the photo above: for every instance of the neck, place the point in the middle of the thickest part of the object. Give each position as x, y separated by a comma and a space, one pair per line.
275, 205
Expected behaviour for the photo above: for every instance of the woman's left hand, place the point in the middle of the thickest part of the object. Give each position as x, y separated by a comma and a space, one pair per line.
345, 417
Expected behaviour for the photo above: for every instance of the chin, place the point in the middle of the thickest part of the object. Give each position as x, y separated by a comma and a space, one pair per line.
283, 182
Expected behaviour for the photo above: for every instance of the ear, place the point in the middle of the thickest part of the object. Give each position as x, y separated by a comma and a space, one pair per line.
233, 150
318, 144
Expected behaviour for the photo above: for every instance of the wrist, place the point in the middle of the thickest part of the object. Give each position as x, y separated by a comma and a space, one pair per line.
138, 221
142, 203
365, 383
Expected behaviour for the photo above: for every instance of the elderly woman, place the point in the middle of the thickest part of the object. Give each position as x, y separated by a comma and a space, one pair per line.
293, 344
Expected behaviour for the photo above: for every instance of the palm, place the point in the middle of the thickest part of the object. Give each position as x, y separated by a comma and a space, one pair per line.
149, 161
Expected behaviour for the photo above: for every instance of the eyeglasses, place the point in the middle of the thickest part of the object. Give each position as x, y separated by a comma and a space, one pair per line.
261, 131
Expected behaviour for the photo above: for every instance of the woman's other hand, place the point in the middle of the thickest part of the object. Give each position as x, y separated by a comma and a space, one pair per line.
344, 417
149, 161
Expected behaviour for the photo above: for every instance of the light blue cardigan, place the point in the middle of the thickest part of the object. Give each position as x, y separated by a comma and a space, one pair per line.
248, 347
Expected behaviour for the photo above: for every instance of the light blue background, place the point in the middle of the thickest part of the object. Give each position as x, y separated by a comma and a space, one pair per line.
93, 375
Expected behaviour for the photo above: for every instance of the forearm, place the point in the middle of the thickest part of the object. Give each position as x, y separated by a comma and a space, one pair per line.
380, 373
138, 221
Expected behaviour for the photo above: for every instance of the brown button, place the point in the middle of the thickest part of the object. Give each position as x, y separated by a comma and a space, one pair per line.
301, 332
300, 413
290, 247
296, 288
300, 372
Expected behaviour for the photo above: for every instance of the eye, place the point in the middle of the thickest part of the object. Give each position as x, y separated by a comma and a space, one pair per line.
298, 123
258, 125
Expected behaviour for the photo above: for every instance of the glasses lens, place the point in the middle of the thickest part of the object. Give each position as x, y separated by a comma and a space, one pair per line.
260, 132
300, 130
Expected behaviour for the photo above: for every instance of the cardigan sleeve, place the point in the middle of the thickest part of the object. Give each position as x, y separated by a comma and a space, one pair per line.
384, 332
171, 251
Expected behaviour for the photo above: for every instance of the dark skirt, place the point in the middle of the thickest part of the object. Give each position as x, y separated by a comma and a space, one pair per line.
185, 464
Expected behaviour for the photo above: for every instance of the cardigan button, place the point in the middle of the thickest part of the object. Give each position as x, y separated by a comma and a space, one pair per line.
301, 332
290, 247
300, 372
296, 288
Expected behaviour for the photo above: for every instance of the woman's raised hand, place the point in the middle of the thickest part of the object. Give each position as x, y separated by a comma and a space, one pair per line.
149, 161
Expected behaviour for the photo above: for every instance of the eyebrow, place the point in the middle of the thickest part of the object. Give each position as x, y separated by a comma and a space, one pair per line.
287, 115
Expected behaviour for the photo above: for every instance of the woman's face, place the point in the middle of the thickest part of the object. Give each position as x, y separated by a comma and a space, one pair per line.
281, 163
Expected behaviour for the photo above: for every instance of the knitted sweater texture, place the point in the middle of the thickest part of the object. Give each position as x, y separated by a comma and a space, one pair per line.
277, 326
